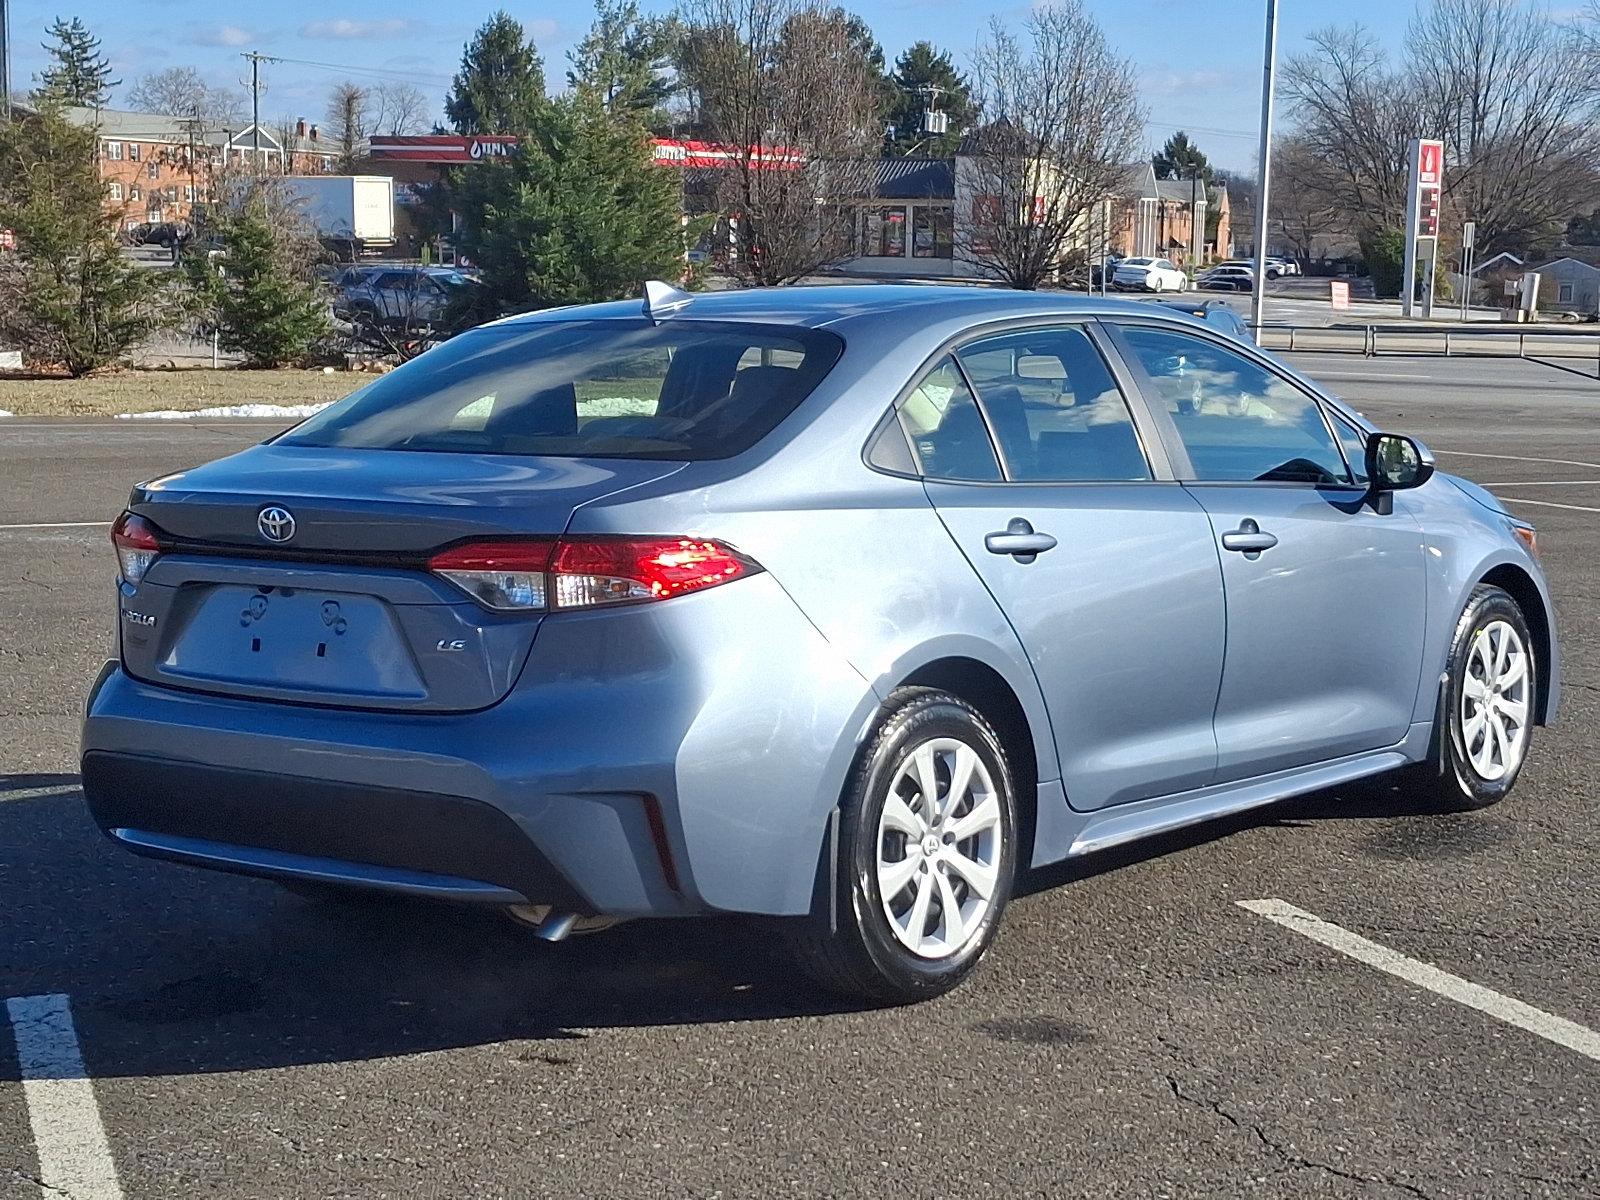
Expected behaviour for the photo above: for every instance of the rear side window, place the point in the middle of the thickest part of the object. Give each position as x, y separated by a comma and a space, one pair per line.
685, 390
946, 429
1055, 408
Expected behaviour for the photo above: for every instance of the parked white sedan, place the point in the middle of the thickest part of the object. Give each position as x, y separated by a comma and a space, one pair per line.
1149, 275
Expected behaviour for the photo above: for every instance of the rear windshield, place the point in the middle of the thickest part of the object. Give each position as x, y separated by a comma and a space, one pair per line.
590, 389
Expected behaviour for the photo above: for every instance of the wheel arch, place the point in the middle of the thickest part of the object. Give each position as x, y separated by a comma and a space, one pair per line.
1520, 585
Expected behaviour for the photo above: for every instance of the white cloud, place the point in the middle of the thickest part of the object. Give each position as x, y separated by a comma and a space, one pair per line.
223, 35
343, 28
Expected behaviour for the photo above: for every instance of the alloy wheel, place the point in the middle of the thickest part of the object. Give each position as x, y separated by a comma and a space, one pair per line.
939, 848
1495, 701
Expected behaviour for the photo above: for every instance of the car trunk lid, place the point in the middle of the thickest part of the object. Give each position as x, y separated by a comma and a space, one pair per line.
343, 611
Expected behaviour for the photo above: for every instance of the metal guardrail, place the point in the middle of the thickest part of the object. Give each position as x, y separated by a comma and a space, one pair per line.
1450, 335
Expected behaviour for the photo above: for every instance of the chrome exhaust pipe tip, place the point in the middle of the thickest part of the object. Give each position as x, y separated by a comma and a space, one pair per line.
555, 926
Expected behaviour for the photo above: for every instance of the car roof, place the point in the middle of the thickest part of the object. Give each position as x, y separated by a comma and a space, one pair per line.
840, 306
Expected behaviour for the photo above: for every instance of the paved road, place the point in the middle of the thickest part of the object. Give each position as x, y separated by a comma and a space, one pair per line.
1134, 1033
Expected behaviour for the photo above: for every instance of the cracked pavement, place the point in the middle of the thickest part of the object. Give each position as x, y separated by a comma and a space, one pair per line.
1133, 1033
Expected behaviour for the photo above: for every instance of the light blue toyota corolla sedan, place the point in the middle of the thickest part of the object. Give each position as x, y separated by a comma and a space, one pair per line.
845, 605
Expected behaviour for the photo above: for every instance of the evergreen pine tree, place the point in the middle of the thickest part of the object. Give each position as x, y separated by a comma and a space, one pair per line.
924, 66
582, 214
258, 294
1181, 159
80, 75
83, 302
500, 87
624, 59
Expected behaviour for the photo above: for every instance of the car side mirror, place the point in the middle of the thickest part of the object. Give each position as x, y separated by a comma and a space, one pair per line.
1395, 463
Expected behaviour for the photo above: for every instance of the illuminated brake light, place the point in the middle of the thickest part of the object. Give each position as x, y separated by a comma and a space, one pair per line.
538, 574
136, 544
587, 574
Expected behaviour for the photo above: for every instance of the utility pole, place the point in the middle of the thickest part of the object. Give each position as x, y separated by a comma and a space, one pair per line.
256, 58
5, 58
1264, 175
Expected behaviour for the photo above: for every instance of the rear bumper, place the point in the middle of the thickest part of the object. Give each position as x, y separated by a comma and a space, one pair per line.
262, 823
657, 760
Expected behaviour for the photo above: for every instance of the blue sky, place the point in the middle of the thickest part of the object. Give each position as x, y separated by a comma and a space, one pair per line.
1201, 59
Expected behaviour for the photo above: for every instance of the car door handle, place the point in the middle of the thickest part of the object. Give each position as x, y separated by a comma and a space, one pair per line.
1248, 539
1019, 540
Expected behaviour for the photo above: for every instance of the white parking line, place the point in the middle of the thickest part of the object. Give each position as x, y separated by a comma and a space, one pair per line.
58, 525
1565, 462
1424, 975
1546, 483
1551, 504
74, 1159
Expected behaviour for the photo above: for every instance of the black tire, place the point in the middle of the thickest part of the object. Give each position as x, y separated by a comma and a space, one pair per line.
863, 959
1448, 781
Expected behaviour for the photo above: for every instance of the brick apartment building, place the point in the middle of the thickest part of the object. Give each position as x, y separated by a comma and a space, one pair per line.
157, 166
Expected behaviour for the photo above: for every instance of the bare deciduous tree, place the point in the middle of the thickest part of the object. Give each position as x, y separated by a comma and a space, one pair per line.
1302, 185
182, 92
1059, 120
1353, 114
784, 86
398, 109
1508, 88
347, 124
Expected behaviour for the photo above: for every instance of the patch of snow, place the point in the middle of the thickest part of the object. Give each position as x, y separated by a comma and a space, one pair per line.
4, 413
248, 412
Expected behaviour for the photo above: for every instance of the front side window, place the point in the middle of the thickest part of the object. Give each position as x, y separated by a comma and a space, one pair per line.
943, 423
1054, 407
684, 390
1237, 420
1354, 442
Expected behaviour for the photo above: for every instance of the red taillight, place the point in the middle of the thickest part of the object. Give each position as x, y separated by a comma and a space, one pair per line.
587, 572
503, 574
621, 570
136, 544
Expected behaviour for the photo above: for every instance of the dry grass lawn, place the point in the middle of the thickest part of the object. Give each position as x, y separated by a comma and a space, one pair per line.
145, 391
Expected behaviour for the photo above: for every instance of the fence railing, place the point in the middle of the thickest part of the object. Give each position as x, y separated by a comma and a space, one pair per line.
1581, 342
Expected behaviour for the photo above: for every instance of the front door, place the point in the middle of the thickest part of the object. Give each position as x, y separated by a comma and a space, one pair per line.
1107, 574
1326, 597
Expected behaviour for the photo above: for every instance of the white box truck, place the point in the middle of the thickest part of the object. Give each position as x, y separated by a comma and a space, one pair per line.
353, 213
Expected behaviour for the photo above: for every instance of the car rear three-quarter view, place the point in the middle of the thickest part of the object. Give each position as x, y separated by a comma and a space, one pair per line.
840, 605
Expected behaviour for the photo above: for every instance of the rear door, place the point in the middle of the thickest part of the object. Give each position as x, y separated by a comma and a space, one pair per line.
1326, 597
1104, 566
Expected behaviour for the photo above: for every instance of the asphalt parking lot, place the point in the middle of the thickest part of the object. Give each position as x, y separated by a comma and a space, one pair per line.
1135, 1032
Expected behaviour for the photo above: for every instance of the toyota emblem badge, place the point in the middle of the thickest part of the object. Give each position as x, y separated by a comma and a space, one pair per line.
276, 524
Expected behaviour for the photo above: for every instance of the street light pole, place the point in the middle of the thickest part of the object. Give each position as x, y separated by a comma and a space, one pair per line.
1264, 174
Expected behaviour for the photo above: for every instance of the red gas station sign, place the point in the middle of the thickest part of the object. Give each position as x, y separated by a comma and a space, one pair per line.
1430, 163
1428, 170
445, 148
